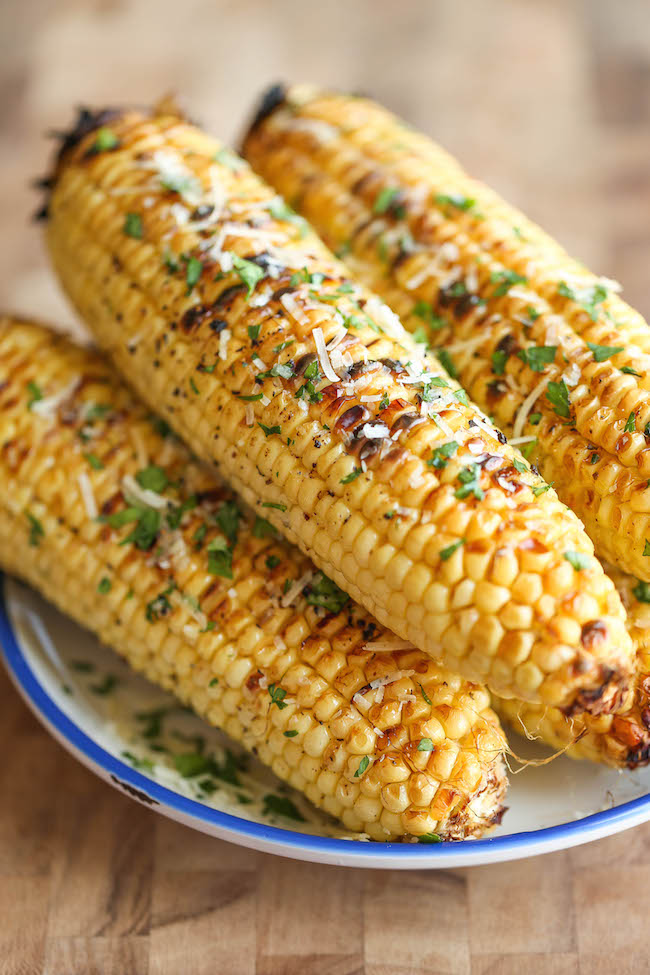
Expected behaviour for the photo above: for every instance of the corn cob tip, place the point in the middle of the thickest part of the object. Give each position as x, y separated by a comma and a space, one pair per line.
271, 98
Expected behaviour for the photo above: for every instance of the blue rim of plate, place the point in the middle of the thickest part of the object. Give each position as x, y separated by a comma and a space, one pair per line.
510, 846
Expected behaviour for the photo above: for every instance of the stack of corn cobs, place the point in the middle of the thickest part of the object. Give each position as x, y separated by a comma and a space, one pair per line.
362, 499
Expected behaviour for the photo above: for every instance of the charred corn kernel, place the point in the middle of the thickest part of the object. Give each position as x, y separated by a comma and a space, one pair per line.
547, 348
208, 606
251, 340
621, 740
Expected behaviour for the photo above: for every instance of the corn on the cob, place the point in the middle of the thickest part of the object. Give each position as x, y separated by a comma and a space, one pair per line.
622, 739
540, 343
216, 609
323, 413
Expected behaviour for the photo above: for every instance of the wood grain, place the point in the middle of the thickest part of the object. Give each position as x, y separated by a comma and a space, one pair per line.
548, 100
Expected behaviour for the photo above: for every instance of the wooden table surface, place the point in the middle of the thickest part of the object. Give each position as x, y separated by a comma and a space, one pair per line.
548, 100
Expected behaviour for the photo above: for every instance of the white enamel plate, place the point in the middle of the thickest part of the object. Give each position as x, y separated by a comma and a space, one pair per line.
141, 741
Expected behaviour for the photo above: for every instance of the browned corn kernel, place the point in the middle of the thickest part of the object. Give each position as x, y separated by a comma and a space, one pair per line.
218, 309
540, 343
204, 601
622, 739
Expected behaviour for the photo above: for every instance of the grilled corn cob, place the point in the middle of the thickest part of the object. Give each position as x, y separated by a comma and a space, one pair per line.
323, 413
621, 739
117, 524
540, 343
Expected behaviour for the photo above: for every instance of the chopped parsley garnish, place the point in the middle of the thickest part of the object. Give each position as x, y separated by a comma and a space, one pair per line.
558, 396
109, 684
274, 504
227, 518
534, 419
152, 478
290, 734
105, 140
594, 458
263, 528
540, 489
642, 591
190, 764
578, 560
425, 745
588, 298
536, 357
323, 592
447, 363
193, 271
505, 280
423, 310
646, 547
280, 210
352, 476
35, 393
141, 764
446, 553
528, 448
499, 358
283, 345
630, 371
225, 157
282, 369
457, 200
269, 431
174, 516
427, 699
213, 682
469, 478
254, 332
532, 313
440, 455
133, 226
461, 396
519, 465
254, 398
429, 838
249, 272
159, 605
277, 695
220, 558
385, 198
36, 532
147, 527
273, 561
363, 765
281, 806
105, 585
630, 424
94, 461
603, 352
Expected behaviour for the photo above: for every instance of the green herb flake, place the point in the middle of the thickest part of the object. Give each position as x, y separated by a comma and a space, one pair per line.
152, 478
532, 313
519, 465
281, 806
429, 838
249, 272
227, 518
505, 280
603, 352
558, 396
213, 682
290, 734
588, 298
105, 140
36, 532
534, 419
220, 558
423, 310
274, 504
457, 200
94, 462
594, 458
322, 592
141, 764
35, 394
499, 358
263, 528
272, 562
536, 357
108, 684
629, 371
425, 745
105, 585
427, 699
225, 157
363, 765
193, 272
269, 431
469, 478
254, 332
133, 226
540, 489
646, 548
446, 553
642, 591
159, 606
385, 199
440, 455
630, 425
277, 695
578, 560
352, 476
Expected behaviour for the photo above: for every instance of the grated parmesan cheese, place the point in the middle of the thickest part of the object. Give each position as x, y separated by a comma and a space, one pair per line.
294, 591
323, 355
87, 496
140, 495
527, 405
224, 338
